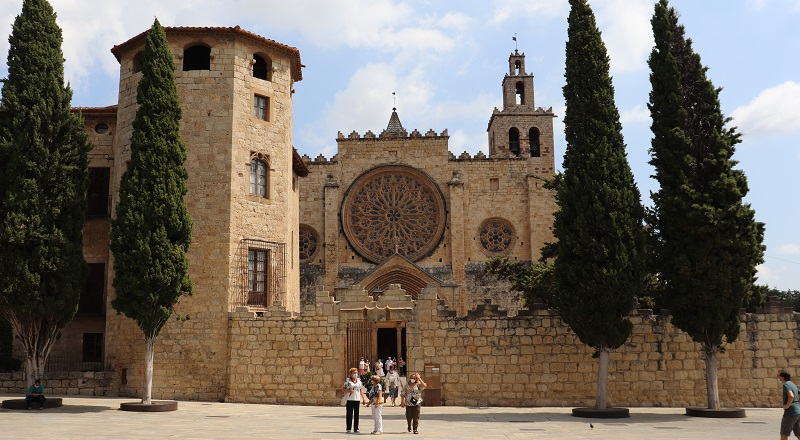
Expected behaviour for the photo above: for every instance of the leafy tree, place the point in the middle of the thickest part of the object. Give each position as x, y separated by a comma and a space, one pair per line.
536, 281
707, 240
43, 182
152, 231
599, 266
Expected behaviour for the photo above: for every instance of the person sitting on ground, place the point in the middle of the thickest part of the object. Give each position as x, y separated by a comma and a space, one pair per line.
35, 394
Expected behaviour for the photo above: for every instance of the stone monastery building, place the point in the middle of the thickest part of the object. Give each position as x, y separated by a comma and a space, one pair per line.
301, 266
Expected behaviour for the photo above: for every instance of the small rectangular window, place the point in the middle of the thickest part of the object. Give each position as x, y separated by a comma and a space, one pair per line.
257, 279
92, 347
261, 107
494, 184
91, 300
97, 200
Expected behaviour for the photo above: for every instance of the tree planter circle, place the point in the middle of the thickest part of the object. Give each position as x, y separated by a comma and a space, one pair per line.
607, 413
51, 402
156, 406
721, 413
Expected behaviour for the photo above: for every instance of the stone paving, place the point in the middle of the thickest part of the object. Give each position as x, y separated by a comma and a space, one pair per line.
88, 418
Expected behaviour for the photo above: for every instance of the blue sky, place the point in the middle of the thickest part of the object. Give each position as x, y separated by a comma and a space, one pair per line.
446, 59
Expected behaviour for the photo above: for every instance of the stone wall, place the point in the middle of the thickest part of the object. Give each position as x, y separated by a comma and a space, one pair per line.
488, 359
101, 383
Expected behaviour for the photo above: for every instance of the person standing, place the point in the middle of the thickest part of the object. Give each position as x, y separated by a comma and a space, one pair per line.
402, 364
362, 366
393, 383
376, 402
790, 422
379, 368
35, 394
412, 400
352, 390
389, 363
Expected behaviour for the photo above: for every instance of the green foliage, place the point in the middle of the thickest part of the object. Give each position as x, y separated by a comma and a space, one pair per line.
535, 281
600, 264
151, 234
706, 239
43, 180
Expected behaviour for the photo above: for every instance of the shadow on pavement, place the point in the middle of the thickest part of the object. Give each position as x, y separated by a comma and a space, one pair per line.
500, 417
66, 409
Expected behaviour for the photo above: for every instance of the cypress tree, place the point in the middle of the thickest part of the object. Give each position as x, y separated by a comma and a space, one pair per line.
152, 230
43, 180
599, 265
707, 240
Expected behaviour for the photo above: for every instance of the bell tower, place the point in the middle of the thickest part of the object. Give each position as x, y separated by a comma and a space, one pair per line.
520, 129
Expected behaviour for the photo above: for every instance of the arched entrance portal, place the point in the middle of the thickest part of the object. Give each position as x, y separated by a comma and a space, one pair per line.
398, 270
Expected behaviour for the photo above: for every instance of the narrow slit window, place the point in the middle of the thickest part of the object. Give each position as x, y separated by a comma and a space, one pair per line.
259, 182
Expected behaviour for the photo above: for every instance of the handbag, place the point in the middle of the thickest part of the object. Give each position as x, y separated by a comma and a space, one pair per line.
343, 402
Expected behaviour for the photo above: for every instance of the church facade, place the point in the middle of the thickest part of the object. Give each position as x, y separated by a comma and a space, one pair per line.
397, 207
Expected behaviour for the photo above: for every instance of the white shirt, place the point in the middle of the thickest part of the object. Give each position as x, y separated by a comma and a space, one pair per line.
362, 365
355, 389
389, 364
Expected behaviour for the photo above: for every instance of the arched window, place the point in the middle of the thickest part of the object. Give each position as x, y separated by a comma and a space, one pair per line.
517, 67
197, 57
534, 142
259, 181
262, 67
513, 141
137, 62
520, 93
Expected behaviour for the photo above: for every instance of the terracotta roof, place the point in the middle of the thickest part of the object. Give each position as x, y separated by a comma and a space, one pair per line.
298, 164
293, 53
102, 110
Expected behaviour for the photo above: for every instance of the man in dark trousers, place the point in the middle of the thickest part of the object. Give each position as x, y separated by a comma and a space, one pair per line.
35, 394
791, 408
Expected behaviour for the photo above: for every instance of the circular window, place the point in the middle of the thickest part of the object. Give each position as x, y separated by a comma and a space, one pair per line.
309, 241
496, 235
101, 128
393, 209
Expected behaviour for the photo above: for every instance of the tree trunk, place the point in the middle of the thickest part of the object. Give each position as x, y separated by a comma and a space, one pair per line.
149, 349
602, 379
712, 388
37, 337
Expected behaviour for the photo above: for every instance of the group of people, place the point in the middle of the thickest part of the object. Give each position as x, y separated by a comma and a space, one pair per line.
373, 395
382, 368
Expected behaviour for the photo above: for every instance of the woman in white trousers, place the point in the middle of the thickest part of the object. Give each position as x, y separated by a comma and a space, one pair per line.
376, 402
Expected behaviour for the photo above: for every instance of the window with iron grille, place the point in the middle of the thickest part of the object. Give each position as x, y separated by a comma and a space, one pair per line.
92, 347
263, 273
257, 276
261, 107
259, 178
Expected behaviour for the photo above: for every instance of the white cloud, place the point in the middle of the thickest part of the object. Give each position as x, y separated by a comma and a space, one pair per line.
637, 115
384, 25
789, 249
364, 104
625, 25
542, 9
774, 110
627, 33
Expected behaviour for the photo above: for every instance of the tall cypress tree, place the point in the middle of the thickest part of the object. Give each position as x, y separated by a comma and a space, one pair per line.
152, 230
599, 266
708, 242
43, 180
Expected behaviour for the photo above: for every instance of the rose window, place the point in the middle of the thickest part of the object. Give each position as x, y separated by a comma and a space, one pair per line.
308, 242
496, 235
393, 209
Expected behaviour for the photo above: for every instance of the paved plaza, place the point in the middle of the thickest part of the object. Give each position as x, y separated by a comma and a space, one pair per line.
89, 418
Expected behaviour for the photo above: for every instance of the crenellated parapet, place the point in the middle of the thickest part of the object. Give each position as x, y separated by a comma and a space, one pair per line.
386, 134
480, 156
319, 160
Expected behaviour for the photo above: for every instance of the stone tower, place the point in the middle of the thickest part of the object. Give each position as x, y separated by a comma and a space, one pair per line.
235, 90
520, 129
